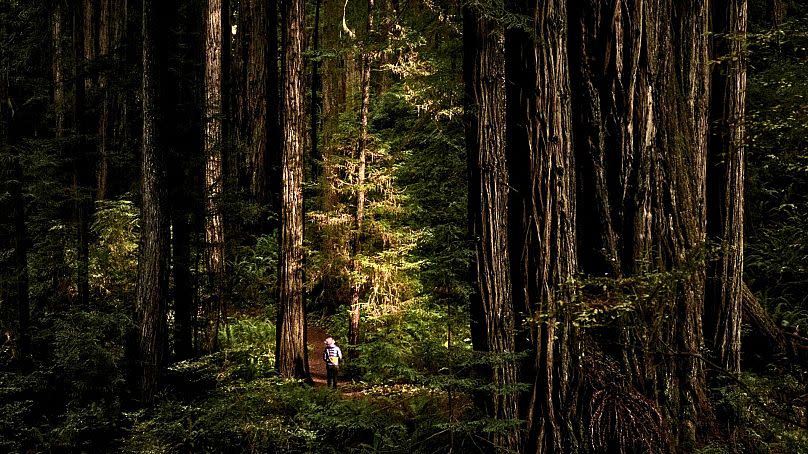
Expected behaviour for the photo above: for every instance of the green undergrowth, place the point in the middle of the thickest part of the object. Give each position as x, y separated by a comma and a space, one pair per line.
232, 401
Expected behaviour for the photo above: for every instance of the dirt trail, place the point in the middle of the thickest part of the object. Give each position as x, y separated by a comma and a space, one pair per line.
314, 339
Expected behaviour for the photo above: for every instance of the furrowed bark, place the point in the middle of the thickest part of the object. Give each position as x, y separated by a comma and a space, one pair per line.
152, 281
214, 142
640, 78
291, 357
726, 180
492, 306
543, 238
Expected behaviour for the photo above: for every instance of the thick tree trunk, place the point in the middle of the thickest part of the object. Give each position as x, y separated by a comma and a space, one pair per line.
726, 179
492, 306
252, 66
641, 78
152, 282
215, 33
259, 67
183, 100
543, 237
291, 357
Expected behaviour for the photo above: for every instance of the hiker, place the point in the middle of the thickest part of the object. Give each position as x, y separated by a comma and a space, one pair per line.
332, 356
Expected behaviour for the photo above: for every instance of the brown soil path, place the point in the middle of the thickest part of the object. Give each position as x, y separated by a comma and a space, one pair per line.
315, 336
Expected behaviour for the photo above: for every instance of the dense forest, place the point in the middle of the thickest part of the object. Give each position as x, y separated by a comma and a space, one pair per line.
531, 226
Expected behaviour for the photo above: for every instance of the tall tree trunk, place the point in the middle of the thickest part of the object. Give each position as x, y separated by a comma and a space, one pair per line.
356, 288
152, 282
105, 24
61, 17
274, 107
543, 237
185, 140
111, 29
83, 41
641, 78
215, 34
779, 11
291, 357
726, 179
258, 109
492, 306
20, 267
314, 114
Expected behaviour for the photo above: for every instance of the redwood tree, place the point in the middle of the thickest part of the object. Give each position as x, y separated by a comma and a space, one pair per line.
152, 279
216, 38
291, 356
725, 175
492, 305
543, 236
640, 82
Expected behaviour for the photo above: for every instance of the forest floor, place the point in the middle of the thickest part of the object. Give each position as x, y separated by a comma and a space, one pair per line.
315, 336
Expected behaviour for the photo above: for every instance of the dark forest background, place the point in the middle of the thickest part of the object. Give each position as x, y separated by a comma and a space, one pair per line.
561, 226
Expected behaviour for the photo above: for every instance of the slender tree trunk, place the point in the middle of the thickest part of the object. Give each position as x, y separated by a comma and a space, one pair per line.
726, 180
104, 122
152, 283
356, 288
59, 279
543, 237
492, 305
83, 52
779, 11
274, 108
20, 268
314, 156
291, 357
215, 34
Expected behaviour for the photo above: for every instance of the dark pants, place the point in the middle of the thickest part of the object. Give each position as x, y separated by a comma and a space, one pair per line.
331, 376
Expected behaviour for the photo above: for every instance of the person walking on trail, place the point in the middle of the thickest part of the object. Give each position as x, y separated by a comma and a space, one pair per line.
332, 356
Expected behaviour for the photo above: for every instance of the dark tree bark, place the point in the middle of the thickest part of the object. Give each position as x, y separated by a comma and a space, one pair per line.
291, 357
256, 92
84, 53
111, 31
61, 17
779, 12
152, 282
641, 83
216, 30
543, 237
105, 126
185, 140
725, 222
492, 306
274, 107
